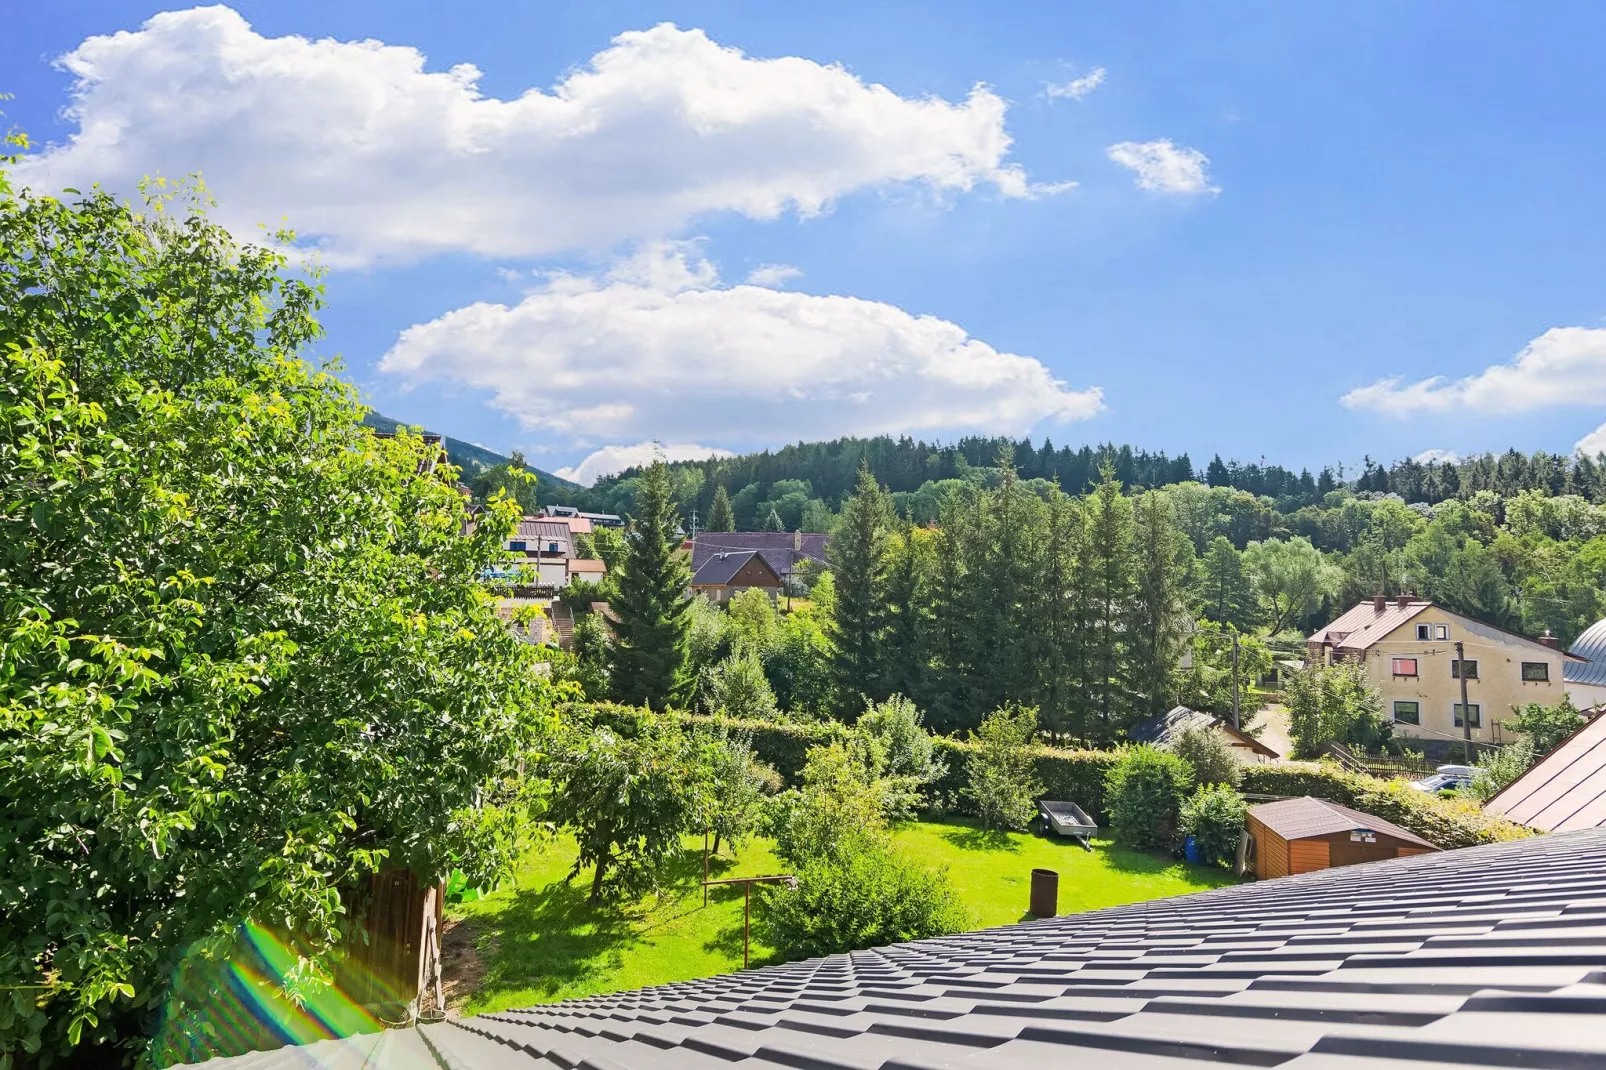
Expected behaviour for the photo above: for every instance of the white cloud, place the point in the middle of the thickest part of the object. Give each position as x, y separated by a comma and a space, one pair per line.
1437, 456
1076, 88
1163, 167
656, 348
773, 274
1592, 444
357, 146
1563, 366
611, 459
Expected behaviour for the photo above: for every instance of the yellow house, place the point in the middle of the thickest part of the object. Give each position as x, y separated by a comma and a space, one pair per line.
1408, 648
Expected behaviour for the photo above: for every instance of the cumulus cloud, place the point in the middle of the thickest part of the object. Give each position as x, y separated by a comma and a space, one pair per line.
657, 347
1563, 366
1076, 88
1163, 167
1592, 444
773, 274
1437, 456
361, 148
611, 459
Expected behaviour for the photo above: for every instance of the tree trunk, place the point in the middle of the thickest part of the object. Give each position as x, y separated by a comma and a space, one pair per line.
596, 881
716, 843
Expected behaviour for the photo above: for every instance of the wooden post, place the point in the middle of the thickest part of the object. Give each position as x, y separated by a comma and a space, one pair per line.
747, 917
705, 867
1466, 711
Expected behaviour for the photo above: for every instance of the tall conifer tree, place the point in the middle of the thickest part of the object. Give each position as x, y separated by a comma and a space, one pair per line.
1159, 610
720, 517
1060, 619
1227, 595
1109, 570
858, 557
649, 656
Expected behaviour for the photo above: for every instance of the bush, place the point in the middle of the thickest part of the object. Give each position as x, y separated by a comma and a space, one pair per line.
1211, 756
841, 801
1334, 703
739, 689
905, 752
1144, 792
1000, 770
1546, 726
1500, 767
1214, 817
1445, 823
863, 896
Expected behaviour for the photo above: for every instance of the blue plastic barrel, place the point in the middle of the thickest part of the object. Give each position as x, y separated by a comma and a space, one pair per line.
1190, 849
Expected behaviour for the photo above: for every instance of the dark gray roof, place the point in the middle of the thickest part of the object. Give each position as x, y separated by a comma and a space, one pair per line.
722, 568
1591, 645
1295, 819
1489, 956
1164, 728
784, 551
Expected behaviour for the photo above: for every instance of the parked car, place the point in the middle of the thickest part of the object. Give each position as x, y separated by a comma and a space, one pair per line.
1446, 778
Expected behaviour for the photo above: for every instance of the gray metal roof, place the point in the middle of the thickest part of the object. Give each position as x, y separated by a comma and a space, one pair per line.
1489, 956
1591, 645
720, 569
1565, 790
785, 552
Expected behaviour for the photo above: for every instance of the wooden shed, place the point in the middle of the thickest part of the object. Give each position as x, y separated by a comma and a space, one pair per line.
1301, 835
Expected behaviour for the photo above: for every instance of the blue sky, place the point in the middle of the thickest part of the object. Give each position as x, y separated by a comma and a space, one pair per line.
1284, 217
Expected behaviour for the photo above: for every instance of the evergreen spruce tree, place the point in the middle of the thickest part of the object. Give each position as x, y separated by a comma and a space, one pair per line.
904, 648
1006, 553
1159, 609
1109, 568
948, 650
720, 517
773, 521
859, 560
1059, 619
1227, 594
649, 654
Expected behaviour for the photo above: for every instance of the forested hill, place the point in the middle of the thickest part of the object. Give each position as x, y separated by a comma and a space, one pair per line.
904, 466
474, 459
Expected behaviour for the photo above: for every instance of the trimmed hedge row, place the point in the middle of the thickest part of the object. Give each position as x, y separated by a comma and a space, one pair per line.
1444, 822
1078, 775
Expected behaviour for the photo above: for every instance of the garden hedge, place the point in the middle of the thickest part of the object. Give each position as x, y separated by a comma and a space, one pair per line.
1078, 775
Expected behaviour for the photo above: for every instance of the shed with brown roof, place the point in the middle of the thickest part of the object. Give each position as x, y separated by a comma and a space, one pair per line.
1306, 834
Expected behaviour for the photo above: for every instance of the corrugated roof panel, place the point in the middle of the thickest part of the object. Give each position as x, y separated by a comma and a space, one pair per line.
1592, 645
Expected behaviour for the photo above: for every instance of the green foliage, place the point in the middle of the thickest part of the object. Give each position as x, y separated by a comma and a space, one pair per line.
738, 785
1292, 580
708, 642
755, 622
1546, 726
906, 753
842, 800
1499, 767
1227, 596
627, 790
1210, 756
1143, 792
512, 480
1001, 772
739, 689
1206, 685
720, 517
1445, 823
246, 659
799, 664
591, 656
865, 895
1333, 703
649, 654
1214, 816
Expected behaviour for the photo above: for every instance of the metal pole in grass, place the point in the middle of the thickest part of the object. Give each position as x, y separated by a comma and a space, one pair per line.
705, 867
747, 917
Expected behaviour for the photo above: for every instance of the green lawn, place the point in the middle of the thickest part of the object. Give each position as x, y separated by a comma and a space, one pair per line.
540, 940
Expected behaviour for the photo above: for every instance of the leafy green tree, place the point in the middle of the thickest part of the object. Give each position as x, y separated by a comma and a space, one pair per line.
609, 546
513, 480
720, 517
1546, 726
738, 784
1207, 682
799, 665
591, 656
1002, 775
1210, 756
628, 793
1334, 703
1291, 578
858, 556
906, 753
649, 652
1227, 595
708, 642
248, 661
740, 689
841, 799
1214, 816
1500, 766
755, 623
1143, 793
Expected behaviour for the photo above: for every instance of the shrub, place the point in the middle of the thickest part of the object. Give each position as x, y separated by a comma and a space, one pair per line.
1334, 703
739, 688
1211, 756
1002, 779
1144, 793
841, 801
1500, 767
1214, 816
864, 895
905, 752
1546, 726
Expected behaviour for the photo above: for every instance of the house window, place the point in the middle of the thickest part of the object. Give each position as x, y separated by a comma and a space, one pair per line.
1407, 712
1537, 672
551, 547
1470, 667
1404, 666
516, 545
1441, 631
1476, 716
1422, 631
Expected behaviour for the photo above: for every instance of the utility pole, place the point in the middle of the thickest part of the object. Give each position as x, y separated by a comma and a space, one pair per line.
1466, 710
1235, 723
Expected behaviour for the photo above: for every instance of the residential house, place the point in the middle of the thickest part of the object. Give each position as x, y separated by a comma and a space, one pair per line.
1586, 679
569, 512
1407, 647
724, 575
787, 554
1489, 956
1564, 790
1167, 728
547, 546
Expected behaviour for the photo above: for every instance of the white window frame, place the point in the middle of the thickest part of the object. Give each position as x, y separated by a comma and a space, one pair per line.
1424, 631
1441, 631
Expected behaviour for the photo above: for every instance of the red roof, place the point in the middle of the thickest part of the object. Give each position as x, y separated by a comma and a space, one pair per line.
1366, 624
1297, 819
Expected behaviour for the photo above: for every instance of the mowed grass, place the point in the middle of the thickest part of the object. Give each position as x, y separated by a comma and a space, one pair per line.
541, 940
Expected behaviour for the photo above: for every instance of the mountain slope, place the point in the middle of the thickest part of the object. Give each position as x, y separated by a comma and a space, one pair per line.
473, 459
